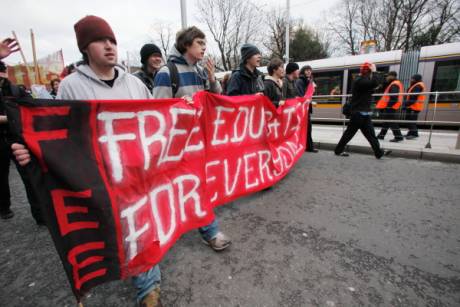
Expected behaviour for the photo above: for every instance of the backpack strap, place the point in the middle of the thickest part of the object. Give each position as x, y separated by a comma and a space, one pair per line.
174, 76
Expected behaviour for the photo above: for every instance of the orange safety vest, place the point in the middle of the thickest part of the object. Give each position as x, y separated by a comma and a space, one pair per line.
383, 102
418, 104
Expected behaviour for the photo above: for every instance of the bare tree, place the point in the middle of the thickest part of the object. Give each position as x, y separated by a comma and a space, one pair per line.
163, 35
345, 25
275, 41
231, 23
395, 24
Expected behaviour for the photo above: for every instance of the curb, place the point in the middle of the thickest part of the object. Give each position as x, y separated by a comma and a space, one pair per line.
397, 152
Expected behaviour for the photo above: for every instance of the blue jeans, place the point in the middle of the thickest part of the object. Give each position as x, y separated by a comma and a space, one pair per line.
146, 282
210, 231
151, 279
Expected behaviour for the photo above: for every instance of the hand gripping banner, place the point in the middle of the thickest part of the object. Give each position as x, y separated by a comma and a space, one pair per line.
121, 181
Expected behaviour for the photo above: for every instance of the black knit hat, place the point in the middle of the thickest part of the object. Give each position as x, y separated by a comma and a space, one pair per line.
417, 77
247, 51
291, 67
147, 50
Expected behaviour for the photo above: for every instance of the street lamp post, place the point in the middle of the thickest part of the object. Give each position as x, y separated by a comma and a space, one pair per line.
287, 30
183, 11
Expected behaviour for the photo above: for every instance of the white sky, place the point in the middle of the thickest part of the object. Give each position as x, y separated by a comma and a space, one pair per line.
52, 21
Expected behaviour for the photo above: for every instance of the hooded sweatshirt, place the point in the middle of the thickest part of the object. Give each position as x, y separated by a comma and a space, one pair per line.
85, 85
192, 78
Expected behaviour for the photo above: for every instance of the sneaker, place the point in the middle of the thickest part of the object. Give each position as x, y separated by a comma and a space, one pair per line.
7, 214
152, 299
219, 242
384, 153
313, 150
411, 137
343, 154
396, 140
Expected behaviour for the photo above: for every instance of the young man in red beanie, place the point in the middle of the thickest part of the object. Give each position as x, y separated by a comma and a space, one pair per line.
99, 77
362, 89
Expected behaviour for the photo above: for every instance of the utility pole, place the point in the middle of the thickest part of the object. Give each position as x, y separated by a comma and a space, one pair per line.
183, 11
287, 29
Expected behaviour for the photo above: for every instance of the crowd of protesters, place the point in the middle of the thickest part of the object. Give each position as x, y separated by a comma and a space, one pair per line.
185, 72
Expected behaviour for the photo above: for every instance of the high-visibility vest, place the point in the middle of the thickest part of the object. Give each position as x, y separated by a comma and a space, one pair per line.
383, 102
418, 104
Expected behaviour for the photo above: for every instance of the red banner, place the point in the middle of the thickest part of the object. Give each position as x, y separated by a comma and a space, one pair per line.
139, 174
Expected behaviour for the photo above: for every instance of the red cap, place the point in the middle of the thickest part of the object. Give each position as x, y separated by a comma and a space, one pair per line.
366, 67
90, 29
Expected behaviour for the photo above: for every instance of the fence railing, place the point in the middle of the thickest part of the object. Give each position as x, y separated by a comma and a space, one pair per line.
431, 122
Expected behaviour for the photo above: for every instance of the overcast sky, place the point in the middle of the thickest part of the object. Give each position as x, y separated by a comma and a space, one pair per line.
52, 21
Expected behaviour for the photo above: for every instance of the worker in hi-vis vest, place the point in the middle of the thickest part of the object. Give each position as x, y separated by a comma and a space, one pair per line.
389, 106
413, 104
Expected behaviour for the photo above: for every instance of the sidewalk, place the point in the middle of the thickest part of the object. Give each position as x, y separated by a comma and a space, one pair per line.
442, 142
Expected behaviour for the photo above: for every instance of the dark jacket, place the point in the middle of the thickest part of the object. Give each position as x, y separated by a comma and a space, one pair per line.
273, 90
361, 94
8, 89
245, 82
301, 85
289, 88
145, 78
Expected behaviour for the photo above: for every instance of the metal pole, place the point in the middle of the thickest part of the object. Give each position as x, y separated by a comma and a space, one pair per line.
34, 53
428, 145
288, 5
183, 11
458, 140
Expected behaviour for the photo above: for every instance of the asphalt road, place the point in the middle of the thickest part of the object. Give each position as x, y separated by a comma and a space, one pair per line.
335, 232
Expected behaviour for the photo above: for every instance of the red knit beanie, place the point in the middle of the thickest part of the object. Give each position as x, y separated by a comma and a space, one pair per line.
90, 29
365, 68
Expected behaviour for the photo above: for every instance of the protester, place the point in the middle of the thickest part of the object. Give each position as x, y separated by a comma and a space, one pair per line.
302, 84
7, 47
273, 83
247, 80
413, 104
7, 89
289, 81
152, 61
54, 84
388, 106
99, 77
67, 71
361, 97
183, 77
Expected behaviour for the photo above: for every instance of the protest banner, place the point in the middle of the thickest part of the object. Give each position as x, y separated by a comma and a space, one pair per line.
49, 67
121, 181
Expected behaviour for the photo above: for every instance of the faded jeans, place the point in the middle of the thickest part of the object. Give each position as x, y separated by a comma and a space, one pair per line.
151, 279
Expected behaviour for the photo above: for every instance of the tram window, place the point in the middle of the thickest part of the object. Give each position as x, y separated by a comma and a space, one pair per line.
353, 73
328, 83
446, 78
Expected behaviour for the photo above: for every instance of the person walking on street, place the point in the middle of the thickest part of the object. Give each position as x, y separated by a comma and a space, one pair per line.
247, 80
302, 84
273, 83
390, 105
152, 60
100, 77
289, 81
413, 104
361, 97
183, 76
